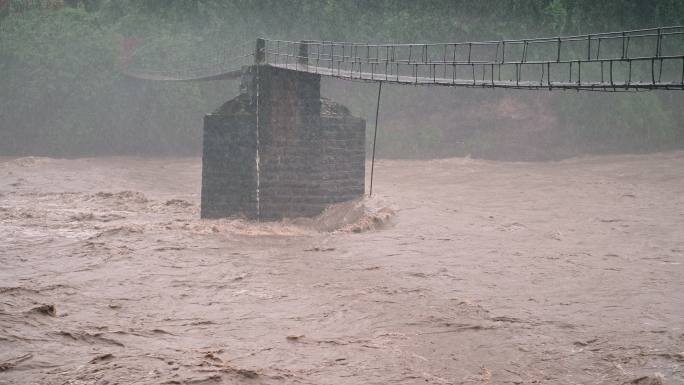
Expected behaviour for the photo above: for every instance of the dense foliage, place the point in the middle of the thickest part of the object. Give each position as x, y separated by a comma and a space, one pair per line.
62, 92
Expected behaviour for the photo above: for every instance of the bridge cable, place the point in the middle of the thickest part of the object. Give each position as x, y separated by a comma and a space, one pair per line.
375, 137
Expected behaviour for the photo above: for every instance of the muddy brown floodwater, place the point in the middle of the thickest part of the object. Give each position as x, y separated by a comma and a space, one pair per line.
460, 271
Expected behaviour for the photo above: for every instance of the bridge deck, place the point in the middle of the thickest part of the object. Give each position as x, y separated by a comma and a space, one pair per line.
487, 83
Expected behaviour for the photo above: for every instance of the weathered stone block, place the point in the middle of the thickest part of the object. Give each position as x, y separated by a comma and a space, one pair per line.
229, 163
311, 151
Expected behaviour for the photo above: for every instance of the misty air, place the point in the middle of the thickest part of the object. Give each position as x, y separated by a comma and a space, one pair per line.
341, 192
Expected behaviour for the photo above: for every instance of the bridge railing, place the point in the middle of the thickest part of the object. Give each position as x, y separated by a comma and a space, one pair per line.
626, 60
633, 60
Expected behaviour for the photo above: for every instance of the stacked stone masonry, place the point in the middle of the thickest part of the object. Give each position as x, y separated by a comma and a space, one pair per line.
311, 151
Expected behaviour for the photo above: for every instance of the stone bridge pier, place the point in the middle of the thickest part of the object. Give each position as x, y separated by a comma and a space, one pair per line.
279, 150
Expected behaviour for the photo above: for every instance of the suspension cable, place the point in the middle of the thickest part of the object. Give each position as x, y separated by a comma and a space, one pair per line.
375, 137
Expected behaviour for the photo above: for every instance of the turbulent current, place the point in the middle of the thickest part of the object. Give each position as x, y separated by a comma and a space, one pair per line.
459, 271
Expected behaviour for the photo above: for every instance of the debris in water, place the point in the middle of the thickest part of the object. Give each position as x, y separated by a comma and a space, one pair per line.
656, 379
45, 309
247, 373
178, 203
9, 364
102, 358
321, 249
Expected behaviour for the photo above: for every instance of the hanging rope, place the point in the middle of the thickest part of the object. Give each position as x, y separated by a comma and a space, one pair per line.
375, 137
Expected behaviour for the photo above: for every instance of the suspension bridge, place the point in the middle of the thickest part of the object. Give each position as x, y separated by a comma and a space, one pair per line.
279, 150
635, 60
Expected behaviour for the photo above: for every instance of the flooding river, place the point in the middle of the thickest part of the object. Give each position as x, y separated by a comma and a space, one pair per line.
459, 271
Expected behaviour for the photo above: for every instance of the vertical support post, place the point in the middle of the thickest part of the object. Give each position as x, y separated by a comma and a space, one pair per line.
611, 74
579, 72
588, 47
303, 54
260, 53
